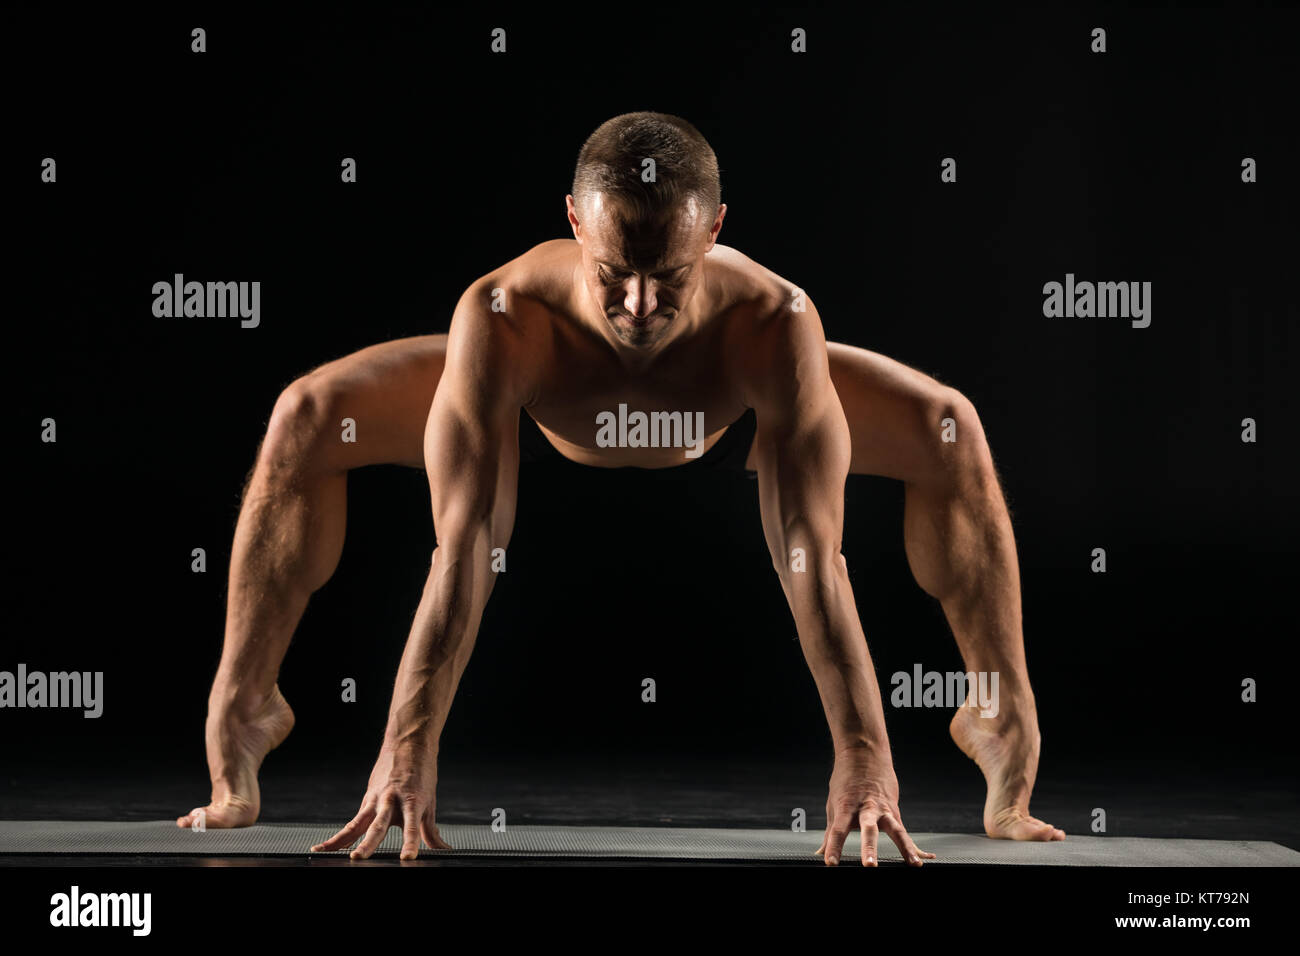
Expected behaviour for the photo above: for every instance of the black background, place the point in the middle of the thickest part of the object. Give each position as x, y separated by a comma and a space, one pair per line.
225, 165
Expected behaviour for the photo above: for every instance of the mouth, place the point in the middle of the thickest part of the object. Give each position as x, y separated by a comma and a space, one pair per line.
639, 324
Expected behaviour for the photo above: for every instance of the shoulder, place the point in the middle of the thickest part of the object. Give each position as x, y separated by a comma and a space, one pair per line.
775, 333
737, 280
501, 329
540, 275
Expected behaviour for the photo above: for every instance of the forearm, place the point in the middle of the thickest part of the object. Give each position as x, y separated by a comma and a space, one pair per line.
835, 648
439, 646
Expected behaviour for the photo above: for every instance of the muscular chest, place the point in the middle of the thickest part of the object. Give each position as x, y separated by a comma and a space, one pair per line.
596, 412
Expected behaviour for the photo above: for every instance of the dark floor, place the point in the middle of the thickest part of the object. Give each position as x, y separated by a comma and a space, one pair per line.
1139, 799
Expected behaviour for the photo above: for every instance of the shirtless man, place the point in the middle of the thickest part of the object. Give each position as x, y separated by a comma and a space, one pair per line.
640, 308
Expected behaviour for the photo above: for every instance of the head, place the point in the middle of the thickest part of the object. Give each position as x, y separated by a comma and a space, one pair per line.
646, 207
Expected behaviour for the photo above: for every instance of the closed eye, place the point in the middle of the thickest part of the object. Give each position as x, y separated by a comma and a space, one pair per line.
672, 277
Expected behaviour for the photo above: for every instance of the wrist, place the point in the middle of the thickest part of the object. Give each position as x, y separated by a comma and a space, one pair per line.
411, 733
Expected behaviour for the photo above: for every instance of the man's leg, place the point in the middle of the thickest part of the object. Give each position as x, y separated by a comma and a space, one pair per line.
289, 538
959, 543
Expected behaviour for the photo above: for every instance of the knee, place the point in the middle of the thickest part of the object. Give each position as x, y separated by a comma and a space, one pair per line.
964, 460
301, 422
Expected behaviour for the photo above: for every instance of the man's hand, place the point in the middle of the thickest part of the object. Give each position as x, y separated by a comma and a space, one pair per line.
864, 796
401, 791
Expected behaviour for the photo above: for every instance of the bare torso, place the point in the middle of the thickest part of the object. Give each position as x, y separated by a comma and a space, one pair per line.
575, 373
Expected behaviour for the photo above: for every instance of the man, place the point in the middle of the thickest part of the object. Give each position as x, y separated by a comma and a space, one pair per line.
639, 313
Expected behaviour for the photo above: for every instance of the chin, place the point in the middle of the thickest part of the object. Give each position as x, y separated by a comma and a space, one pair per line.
640, 337
637, 340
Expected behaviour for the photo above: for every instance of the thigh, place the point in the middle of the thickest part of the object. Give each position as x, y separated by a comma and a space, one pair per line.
387, 390
894, 413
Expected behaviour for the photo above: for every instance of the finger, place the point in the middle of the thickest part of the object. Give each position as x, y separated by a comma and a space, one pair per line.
836, 835
826, 834
411, 819
870, 835
375, 835
432, 838
349, 833
898, 833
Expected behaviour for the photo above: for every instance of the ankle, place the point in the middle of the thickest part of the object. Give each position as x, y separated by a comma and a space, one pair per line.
1005, 715
1009, 689
242, 705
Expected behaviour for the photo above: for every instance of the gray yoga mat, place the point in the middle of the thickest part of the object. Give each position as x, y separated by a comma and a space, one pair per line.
672, 843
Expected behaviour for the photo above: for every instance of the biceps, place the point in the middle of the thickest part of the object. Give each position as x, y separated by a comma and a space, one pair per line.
801, 475
471, 457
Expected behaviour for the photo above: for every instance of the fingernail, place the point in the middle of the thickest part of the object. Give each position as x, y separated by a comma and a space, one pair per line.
833, 860
870, 860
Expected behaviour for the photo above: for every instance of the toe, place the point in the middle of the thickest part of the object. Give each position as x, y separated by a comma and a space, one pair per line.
1034, 829
187, 822
1018, 825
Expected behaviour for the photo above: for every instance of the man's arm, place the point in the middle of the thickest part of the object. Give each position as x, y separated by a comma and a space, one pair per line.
803, 451
471, 454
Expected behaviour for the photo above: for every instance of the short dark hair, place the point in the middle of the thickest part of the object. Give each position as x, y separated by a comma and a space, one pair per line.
612, 160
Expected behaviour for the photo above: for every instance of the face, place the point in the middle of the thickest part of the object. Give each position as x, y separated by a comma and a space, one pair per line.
642, 275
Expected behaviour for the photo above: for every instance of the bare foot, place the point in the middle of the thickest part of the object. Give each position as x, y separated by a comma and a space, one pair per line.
236, 747
1006, 750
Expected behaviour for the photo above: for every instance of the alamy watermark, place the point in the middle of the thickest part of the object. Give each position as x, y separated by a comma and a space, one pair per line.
1086, 300
653, 430
208, 300
953, 689
75, 908
76, 689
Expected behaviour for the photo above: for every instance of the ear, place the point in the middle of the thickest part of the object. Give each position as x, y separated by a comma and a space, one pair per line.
573, 217
717, 225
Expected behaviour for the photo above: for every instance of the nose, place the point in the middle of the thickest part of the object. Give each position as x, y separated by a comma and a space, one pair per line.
639, 298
